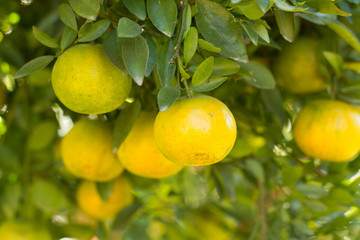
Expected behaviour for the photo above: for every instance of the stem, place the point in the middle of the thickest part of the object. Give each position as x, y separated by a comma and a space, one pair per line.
262, 212
188, 93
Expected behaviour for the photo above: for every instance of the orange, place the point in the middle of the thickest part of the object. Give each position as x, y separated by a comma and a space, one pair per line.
139, 153
329, 130
86, 151
91, 203
195, 131
86, 81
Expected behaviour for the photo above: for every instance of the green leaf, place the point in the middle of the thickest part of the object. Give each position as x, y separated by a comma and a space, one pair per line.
183, 73
208, 46
260, 29
210, 84
220, 28
273, 102
203, 71
283, 5
33, 66
163, 14
165, 65
335, 61
316, 206
346, 33
188, 19
195, 187
95, 31
152, 55
128, 28
125, 215
68, 37
263, 4
124, 122
250, 9
105, 189
86, 8
254, 37
327, 7
135, 55
286, 24
67, 16
166, 97
44, 38
113, 49
261, 77
256, 169
47, 196
312, 190
137, 7
290, 175
224, 67
42, 135
190, 44
341, 196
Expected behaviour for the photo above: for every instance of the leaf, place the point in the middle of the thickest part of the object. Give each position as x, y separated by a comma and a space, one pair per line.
113, 49
124, 122
256, 169
263, 4
190, 44
208, 46
283, 5
135, 56
188, 19
273, 102
95, 31
86, 8
224, 67
152, 56
290, 175
219, 28
250, 9
210, 84
68, 37
128, 28
163, 14
165, 67
260, 29
33, 66
44, 38
254, 37
326, 7
42, 135
286, 24
203, 71
341, 196
137, 7
335, 61
261, 77
183, 73
47, 196
125, 215
312, 190
67, 16
105, 189
354, 66
166, 97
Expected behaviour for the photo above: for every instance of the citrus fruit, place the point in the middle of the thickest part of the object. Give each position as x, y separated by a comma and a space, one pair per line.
329, 130
139, 153
3, 95
296, 68
91, 203
86, 151
195, 131
12, 230
86, 81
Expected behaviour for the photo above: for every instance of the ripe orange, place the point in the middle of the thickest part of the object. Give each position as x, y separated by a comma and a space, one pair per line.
296, 68
197, 131
86, 151
86, 81
91, 203
139, 153
329, 130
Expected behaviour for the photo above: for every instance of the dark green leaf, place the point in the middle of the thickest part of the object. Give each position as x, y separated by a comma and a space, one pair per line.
152, 56
42, 135
290, 175
286, 24
33, 66
135, 56
67, 16
256, 169
44, 38
260, 29
335, 61
113, 49
254, 37
208, 46
224, 67
137, 7
165, 64
220, 28
68, 37
273, 102
95, 31
124, 122
346, 33
86, 8
163, 14
263, 4
261, 77
166, 97
105, 189
190, 44
128, 28
210, 84
326, 7
123, 217
203, 72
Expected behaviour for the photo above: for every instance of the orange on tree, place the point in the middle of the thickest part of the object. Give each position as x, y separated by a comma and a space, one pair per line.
297, 68
139, 153
86, 81
329, 130
91, 203
195, 131
13, 230
86, 151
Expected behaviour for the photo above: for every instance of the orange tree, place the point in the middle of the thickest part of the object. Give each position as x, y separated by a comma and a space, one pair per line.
257, 128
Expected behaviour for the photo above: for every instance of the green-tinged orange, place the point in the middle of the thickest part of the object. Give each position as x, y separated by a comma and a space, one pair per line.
297, 67
12, 230
86, 151
86, 81
328, 130
91, 203
139, 153
197, 131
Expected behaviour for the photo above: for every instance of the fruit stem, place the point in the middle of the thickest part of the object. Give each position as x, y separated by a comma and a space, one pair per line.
188, 93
